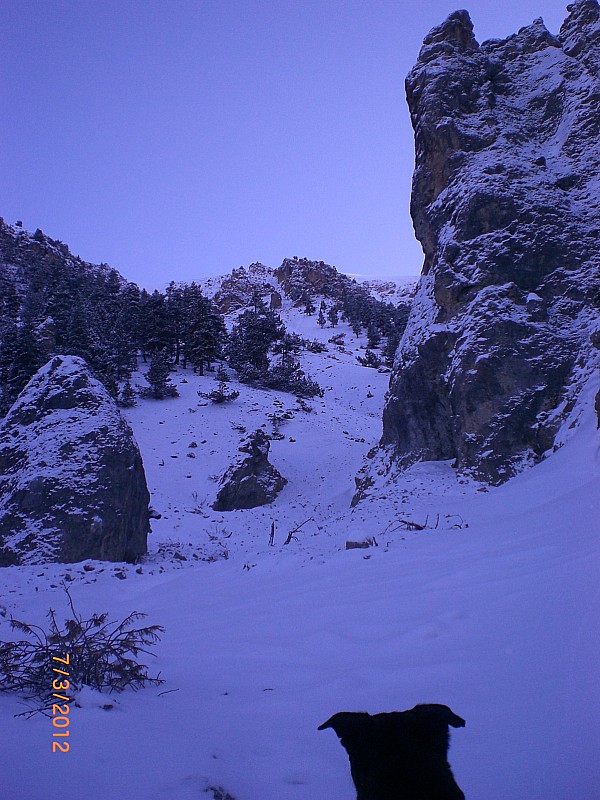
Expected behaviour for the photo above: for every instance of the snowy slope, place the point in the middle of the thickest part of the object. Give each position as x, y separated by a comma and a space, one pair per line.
492, 609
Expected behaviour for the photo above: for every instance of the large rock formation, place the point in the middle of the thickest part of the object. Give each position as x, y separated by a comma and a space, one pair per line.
251, 480
72, 483
506, 204
298, 279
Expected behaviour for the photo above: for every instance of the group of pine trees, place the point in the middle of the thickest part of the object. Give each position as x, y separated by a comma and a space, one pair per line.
59, 304
383, 323
263, 353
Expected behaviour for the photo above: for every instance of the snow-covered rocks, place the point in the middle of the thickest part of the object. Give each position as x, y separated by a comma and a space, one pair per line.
72, 483
251, 480
297, 279
235, 291
506, 205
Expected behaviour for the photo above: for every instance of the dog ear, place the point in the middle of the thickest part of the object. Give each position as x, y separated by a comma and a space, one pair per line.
347, 724
438, 714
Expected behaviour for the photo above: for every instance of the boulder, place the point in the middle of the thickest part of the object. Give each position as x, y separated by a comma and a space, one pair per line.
72, 482
276, 301
251, 480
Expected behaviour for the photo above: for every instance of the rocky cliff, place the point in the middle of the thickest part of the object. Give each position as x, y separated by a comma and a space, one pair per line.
72, 483
506, 205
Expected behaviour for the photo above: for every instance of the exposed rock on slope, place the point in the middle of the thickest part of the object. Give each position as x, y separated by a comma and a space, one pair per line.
297, 279
234, 291
506, 204
251, 480
72, 483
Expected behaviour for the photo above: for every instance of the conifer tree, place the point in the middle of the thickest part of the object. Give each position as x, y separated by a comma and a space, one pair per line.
321, 320
222, 374
391, 346
373, 335
127, 397
252, 337
156, 334
204, 332
309, 306
27, 358
158, 376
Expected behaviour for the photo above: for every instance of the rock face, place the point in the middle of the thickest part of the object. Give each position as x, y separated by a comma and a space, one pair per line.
295, 280
506, 204
299, 276
237, 289
72, 483
251, 480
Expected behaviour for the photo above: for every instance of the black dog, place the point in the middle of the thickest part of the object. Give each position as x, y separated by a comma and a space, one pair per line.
399, 756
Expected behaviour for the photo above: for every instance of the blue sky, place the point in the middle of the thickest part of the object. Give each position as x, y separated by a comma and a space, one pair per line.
175, 139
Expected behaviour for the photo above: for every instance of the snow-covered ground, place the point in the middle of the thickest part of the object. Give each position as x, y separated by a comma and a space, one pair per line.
492, 609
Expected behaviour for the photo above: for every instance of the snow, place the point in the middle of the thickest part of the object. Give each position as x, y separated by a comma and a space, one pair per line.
391, 289
492, 609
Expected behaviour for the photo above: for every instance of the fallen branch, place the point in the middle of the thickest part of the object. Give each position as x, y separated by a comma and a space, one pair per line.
291, 536
409, 525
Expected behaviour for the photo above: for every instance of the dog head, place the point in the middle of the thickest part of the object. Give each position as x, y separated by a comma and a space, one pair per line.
401, 754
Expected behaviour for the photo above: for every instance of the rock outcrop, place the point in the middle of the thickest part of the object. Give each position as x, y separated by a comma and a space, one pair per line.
296, 280
506, 204
251, 480
235, 291
72, 483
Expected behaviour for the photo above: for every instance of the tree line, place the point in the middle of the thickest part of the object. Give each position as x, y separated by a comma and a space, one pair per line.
60, 304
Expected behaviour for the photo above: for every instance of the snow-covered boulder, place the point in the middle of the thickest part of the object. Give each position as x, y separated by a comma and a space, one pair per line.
72, 483
506, 204
251, 480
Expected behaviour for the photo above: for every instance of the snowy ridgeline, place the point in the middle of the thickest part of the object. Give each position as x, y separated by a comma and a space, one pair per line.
483, 600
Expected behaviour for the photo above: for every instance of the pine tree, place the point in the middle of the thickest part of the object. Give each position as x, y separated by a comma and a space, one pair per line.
205, 335
158, 376
155, 331
391, 346
76, 335
8, 355
27, 358
321, 321
222, 374
127, 397
222, 394
251, 339
127, 331
103, 365
9, 300
332, 316
309, 306
370, 359
176, 313
373, 335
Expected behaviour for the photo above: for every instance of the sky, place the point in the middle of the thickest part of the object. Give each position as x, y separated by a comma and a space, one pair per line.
177, 139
